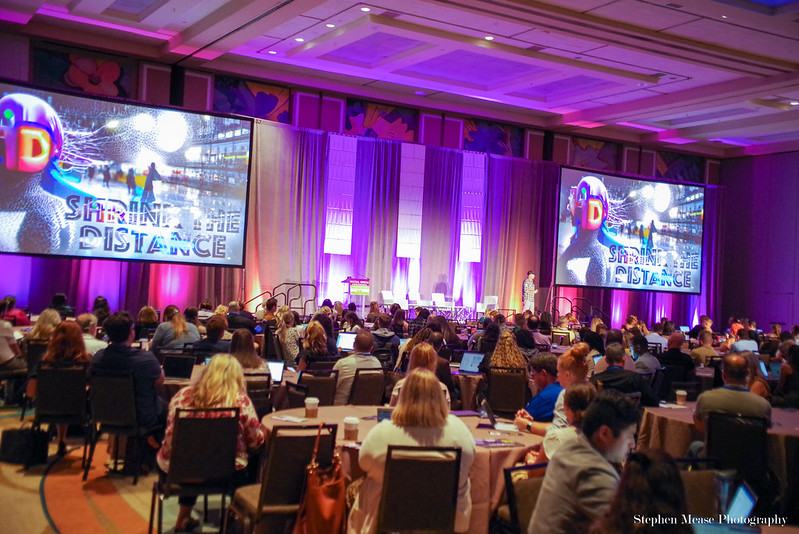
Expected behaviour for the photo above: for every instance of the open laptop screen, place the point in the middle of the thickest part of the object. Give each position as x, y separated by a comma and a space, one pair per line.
346, 341
276, 370
470, 362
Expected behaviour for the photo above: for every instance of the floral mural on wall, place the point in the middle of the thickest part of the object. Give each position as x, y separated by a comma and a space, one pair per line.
492, 137
594, 154
383, 121
81, 71
680, 167
254, 99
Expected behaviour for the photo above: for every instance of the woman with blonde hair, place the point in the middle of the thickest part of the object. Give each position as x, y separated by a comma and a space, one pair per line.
45, 326
289, 338
314, 347
174, 332
423, 356
421, 418
220, 386
506, 354
242, 347
146, 322
374, 312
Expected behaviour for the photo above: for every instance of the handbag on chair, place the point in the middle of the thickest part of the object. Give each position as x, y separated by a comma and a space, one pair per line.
323, 507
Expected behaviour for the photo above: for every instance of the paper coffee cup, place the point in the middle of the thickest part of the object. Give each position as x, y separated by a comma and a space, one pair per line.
311, 407
681, 395
351, 428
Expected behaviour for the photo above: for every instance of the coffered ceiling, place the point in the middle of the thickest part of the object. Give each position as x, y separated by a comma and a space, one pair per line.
717, 77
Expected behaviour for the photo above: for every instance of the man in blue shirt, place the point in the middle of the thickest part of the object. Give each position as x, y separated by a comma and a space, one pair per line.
545, 376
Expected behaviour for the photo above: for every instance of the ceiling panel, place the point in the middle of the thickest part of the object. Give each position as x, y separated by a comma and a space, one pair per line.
752, 41
642, 14
373, 49
466, 67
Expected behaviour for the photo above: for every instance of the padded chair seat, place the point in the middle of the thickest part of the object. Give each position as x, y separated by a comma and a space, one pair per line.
246, 499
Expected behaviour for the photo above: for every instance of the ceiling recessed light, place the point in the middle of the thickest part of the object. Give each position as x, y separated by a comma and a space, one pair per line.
795, 102
330, 25
724, 16
272, 52
488, 38
366, 9
420, 93
300, 40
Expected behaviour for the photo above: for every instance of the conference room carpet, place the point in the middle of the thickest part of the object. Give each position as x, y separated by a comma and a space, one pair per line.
53, 498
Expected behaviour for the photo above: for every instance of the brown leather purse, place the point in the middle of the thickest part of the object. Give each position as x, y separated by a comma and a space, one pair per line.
323, 509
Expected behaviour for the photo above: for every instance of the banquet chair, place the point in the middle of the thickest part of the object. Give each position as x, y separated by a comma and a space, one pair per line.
522, 486
506, 389
322, 365
277, 498
269, 350
385, 356
367, 387
433, 475
61, 397
296, 394
671, 373
748, 452
203, 460
112, 399
33, 350
259, 389
321, 384
699, 480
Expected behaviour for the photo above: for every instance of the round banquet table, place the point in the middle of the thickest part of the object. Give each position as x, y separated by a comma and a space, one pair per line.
672, 429
486, 474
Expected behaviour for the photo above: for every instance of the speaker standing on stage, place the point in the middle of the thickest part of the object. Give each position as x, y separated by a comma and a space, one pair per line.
528, 292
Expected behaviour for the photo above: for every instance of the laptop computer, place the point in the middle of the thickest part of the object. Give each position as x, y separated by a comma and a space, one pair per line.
597, 358
489, 413
738, 511
346, 341
178, 367
276, 371
470, 363
684, 329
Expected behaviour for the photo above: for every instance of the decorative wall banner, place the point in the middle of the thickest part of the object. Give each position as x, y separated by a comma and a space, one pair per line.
492, 137
253, 99
383, 121
82, 71
680, 167
594, 154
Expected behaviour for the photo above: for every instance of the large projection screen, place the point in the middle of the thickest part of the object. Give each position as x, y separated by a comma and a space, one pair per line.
90, 178
624, 233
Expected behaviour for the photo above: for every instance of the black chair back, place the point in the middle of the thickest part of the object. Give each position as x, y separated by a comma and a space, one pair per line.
259, 389
655, 348
113, 401
738, 442
367, 387
671, 373
321, 384
323, 365
204, 449
507, 389
61, 393
270, 350
385, 356
431, 505
296, 394
34, 350
522, 492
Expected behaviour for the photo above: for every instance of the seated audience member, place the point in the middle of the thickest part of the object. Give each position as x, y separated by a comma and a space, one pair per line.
544, 371
421, 418
617, 378
443, 371
734, 397
398, 323
675, 356
88, 326
13, 314
500, 320
314, 346
787, 390
524, 337
488, 341
220, 386
270, 308
702, 354
338, 311
615, 336
650, 486
374, 312
422, 356
419, 321
595, 322
581, 477
213, 343
734, 326
630, 322
384, 336
101, 310
576, 399
539, 338
756, 381
596, 344
205, 311
242, 347
405, 350
192, 317
327, 303
353, 308
330, 337
289, 339
10, 354
66, 345
120, 357
174, 332
506, 354
351, 322
44, 327
235, 320
646, 363
438, 323
361, 358
572, 369
244, 312
655, 336
59, 304
705, 325
146, 323
744, 342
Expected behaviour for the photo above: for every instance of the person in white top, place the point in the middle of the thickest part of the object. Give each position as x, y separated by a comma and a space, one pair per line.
421, 418
88, 325
10, 359
360, 359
